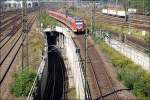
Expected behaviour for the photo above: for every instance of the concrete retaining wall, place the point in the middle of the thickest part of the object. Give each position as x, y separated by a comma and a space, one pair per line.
74, 63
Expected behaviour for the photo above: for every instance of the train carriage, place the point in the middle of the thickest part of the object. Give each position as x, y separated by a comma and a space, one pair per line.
76, 24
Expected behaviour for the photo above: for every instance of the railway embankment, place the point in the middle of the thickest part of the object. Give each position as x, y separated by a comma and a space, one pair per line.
129, 73
23, 79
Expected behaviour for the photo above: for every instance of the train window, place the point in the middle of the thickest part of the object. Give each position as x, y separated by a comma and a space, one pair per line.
69, 22
78, 21
9, 5
29, 5
15, 5
35, 4
19, 5
5, 5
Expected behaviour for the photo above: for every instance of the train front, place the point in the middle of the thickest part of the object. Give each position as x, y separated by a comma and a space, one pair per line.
80, 26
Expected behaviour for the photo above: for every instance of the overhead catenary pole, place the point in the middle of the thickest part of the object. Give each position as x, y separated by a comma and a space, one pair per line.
25, 60
93, 18
86, 55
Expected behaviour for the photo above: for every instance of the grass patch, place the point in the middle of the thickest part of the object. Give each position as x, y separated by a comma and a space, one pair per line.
23, 83
36, 46
36, 42
72, 93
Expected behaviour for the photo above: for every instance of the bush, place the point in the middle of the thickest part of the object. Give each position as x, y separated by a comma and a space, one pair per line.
47, 20
128, 77
23, 83
147, 38
142, 88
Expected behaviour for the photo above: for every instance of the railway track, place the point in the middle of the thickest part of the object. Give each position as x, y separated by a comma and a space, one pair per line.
9, 35
134, 23
12, 53
142, 24
7, 14
9, 19
134, 40
12, 45
8, 24
101, 83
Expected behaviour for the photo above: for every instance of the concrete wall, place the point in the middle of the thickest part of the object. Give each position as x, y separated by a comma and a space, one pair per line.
74, 63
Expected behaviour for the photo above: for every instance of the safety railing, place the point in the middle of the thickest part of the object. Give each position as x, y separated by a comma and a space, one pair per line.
37, 81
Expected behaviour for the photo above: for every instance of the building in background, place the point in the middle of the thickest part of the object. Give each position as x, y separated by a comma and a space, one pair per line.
15, 4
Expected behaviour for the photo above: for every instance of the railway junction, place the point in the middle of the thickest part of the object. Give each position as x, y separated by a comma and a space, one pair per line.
74, 50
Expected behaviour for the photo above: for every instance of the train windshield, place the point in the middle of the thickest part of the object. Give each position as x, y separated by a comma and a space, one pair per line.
79, 24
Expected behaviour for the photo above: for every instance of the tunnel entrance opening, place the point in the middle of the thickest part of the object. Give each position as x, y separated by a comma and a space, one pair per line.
55, 85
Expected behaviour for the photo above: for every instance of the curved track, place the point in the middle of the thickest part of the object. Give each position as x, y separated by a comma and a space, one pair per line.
101, 83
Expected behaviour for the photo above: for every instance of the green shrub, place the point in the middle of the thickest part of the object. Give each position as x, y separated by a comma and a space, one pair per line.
147, 38
127, 76
23, 82
142, 88
121, 73
46, 20
130, 77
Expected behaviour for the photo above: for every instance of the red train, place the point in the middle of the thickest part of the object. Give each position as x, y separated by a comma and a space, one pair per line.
76, 24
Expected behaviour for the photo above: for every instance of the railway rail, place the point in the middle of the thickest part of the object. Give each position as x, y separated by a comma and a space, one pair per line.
8, 24
8, 19
9, 35
134, 40
16, 47
134, 23
101, 81
6, 14
142, 24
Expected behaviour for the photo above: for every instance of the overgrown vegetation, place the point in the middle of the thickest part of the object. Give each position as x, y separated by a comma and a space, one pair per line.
23, 82
46, 20
72, 93
147, 38
36, 46
132, 75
